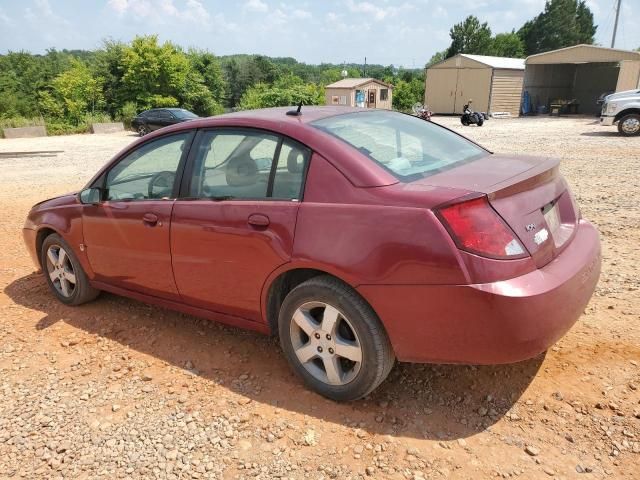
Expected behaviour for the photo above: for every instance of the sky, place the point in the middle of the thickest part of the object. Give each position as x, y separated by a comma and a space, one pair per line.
399, 32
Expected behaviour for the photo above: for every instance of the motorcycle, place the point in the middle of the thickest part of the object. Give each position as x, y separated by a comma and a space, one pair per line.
470, 117
422, 111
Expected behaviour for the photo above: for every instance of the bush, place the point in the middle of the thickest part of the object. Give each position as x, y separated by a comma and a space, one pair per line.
126, 113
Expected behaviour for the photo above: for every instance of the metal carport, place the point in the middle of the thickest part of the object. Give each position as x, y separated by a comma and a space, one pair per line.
581, 72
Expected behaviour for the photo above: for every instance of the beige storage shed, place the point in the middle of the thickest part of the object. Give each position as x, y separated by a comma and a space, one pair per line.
359, 92
580, 74
493, 83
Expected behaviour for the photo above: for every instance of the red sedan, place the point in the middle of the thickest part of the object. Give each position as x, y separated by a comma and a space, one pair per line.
358, 236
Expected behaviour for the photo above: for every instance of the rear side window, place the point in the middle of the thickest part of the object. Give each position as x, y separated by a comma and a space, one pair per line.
408, 147
248, 165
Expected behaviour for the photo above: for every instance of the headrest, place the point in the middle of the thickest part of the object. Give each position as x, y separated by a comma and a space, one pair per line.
241, 171
295, 161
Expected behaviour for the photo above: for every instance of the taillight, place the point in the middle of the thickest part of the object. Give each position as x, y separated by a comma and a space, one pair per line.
477, 228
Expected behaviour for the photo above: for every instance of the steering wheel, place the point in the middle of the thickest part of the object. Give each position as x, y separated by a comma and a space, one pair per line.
164, 181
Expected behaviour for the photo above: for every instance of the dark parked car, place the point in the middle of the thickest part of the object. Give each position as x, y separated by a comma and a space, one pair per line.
358, 236
156, 118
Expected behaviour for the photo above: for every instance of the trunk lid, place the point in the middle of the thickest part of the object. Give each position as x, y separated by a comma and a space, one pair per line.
529, 193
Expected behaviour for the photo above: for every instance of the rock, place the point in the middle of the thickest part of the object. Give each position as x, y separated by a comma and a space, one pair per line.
310, 438
482, 411
115, 408
531, 450
146, 377
549, 471
370, 471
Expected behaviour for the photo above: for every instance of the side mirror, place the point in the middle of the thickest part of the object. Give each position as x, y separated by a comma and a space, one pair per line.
90, 196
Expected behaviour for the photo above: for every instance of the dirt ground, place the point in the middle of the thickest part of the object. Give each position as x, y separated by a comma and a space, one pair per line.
120, 389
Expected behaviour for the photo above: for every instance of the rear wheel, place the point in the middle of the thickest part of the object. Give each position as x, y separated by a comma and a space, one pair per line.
63, 272
334, 340
143, 130
480, 120
629, 125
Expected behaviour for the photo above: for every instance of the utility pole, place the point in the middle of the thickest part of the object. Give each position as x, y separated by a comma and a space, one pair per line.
615, 25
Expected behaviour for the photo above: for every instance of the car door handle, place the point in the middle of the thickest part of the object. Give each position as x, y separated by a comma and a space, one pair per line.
258, 220
150, 219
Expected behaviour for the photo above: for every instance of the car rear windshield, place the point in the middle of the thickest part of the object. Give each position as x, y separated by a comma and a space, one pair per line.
180, 113
408, 147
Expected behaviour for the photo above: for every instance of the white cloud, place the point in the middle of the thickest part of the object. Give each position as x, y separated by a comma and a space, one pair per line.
256, 6
377, 12
299, 13
4, 18
43, 13
188, 11
119, 6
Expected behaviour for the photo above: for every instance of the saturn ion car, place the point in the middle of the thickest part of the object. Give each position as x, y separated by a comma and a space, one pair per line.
359, 237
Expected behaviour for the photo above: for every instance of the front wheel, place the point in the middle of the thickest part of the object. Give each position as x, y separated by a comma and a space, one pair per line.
143, 130
63, 272
464, 121
334, 340
629, 125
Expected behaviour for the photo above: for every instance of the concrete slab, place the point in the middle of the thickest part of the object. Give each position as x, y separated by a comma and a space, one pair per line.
25, 132
111, 127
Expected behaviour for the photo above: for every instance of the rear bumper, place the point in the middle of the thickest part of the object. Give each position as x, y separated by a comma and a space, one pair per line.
606, 121
491, 323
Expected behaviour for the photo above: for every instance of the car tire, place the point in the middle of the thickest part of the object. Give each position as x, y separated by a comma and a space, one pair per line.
143, 130
345, 348
629, 125
65, 276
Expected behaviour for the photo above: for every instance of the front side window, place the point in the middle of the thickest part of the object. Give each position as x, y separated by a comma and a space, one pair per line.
149, 172
248, 165
406, 146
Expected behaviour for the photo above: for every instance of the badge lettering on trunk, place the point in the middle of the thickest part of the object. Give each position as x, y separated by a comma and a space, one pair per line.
531, 227
541, 236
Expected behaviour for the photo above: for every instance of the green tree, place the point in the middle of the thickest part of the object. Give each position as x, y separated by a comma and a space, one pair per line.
507, 45
287, 90
208, 65
470, 36
78, 92
406, 94
437, 58
563, 23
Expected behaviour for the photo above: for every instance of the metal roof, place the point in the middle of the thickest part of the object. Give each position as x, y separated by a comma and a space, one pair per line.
583, 54
355, 82
497, 62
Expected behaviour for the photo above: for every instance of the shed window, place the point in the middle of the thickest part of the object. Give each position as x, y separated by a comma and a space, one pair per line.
384, 94
343, 99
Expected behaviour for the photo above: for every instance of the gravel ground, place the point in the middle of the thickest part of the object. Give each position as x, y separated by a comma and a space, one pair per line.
120, 389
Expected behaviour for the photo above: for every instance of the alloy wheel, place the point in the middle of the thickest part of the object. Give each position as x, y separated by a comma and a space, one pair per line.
631, 126
60, 270
326, 343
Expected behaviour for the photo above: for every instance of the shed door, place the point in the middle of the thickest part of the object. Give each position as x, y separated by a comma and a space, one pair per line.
473, 83
440, 89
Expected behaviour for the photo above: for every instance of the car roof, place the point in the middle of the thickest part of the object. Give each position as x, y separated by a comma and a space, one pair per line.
308, 114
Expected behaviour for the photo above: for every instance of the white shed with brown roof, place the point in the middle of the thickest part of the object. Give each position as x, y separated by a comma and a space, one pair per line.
494, 84
359, 92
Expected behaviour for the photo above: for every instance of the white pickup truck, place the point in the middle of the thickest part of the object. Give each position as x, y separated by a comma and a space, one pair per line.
622, 108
